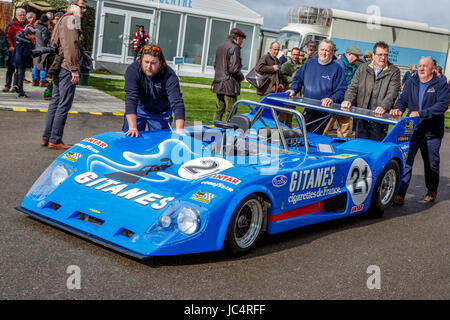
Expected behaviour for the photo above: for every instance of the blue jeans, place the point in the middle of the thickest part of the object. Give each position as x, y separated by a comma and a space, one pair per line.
37, 74
154, 121
429, 148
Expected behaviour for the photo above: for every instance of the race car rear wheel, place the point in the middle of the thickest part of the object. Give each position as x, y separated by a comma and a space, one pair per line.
245, 225
385, 189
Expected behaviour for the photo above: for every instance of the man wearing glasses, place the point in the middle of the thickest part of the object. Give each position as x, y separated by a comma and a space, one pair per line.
66, 35
152, 94
374, 86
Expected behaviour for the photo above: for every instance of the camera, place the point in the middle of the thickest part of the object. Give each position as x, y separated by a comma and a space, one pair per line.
53, 48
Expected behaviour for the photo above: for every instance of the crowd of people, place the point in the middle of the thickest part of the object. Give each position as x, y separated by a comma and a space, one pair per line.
23, 34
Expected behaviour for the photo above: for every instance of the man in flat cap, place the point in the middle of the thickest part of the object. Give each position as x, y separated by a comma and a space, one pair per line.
348, 64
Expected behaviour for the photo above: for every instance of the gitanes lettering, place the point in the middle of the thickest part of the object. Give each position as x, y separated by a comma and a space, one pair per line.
310, 179
139, 196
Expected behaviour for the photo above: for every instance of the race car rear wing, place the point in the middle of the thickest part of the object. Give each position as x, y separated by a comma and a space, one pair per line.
401, 132
354, 112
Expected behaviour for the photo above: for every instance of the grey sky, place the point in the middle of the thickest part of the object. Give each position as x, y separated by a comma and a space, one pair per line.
435, 13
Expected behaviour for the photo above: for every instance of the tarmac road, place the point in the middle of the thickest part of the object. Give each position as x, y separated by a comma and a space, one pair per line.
409, 246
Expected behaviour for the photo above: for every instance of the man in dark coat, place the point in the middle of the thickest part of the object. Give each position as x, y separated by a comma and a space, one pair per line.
269, 64
42, 40
228, 75
427, 97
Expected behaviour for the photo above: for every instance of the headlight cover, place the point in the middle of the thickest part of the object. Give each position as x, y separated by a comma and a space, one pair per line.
180, 221
188, 220
59, 174
52, 177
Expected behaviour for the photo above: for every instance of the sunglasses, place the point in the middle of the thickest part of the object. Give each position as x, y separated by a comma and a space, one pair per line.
153, 48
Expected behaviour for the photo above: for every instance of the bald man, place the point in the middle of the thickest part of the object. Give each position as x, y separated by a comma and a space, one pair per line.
427, 97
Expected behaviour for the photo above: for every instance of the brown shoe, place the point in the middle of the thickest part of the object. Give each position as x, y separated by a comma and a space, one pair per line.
399, 200
44, 143
58, 146
26, 81
43, 83
430, 197
35, 83
6, 89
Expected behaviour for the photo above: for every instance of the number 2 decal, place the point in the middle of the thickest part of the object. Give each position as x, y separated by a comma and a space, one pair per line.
359, 181
201, 167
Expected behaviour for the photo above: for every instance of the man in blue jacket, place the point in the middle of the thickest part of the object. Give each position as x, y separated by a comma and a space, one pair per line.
152, 93
427, 97
323, 79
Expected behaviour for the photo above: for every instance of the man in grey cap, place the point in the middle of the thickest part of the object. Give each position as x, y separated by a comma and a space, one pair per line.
348, 64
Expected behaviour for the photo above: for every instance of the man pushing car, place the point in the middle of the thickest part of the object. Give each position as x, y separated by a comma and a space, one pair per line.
152, 94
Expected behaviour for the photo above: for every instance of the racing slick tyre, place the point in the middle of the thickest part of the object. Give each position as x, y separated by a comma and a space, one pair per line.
385, 189
245, 225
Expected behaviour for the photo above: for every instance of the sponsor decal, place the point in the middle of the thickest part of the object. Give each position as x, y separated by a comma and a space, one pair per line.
87, 147
140, 196
225, 178
321, 192
218, 185
72, 156
402, 139
98, 143
204, 197
409, 126
311, 179
279, 181
357, 208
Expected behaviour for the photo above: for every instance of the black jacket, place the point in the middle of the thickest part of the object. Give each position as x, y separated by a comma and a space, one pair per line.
227, 66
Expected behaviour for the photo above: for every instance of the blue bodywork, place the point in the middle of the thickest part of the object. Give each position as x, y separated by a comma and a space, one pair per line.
128, 193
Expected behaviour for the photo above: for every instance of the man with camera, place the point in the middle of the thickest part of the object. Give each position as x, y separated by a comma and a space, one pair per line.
66, 36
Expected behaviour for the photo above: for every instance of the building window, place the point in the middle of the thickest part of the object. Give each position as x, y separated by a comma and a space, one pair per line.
219, 32
246, 48
113, 34
193, 40
169, 28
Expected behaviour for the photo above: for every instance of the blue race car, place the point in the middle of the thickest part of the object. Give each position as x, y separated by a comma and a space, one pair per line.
219, 186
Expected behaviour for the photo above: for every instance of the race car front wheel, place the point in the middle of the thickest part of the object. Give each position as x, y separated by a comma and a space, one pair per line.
245, 225
385, 189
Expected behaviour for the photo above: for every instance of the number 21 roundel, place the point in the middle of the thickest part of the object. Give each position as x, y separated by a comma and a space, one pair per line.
201, 167
359, 181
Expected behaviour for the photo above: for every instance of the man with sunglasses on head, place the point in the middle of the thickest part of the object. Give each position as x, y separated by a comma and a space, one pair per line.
152, 94
66, 36
374, 86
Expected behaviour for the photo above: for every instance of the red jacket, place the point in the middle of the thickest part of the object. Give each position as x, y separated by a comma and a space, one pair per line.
137, 40
13, 30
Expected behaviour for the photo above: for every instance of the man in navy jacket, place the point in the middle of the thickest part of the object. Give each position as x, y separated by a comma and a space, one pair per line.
427, 97
152, 93
323, 79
